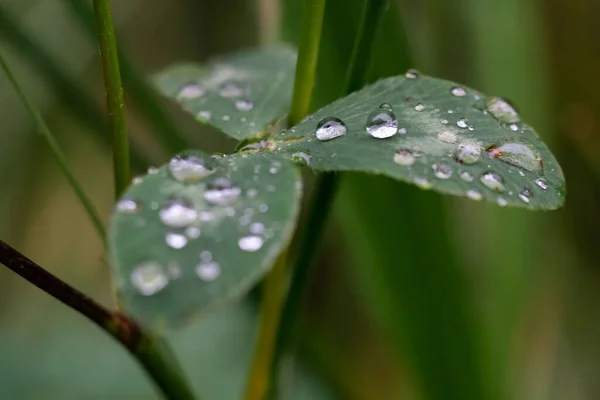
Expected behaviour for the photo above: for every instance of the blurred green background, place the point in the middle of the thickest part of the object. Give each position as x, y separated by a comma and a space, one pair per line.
416, 295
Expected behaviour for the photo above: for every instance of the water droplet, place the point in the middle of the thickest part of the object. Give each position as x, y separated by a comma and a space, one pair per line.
419, 107
402, 131
192, 232
206, 256
149, 278
188, 169
423, 183
447, 136
208, 271
474, 195
330, 128
137, 180
250, 243
404, 158
468, 152
526, 195
518, 154
386, 106
206, 216
462, 123
252, 193
412, 74
263, 208
221, 191
445, 121
230, 89
257, 228
382, 124
177, 214
225, 117
174, 270
503, 111
493, 181
127, 205
542, 183
466, 176
442, 171
244, 105
152, 170
204, 115
458, 91
190, 91
175, 240
301, 158
501, 201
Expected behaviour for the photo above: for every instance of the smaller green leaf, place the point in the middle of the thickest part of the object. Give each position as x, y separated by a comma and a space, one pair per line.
435, 134
240, 94
199, 232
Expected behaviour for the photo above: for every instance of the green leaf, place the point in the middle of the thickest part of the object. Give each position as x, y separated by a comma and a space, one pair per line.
463, 143
199, 232
240, 94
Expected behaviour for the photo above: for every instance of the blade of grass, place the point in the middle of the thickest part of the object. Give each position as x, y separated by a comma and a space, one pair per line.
114, 95
56, 151
138, 88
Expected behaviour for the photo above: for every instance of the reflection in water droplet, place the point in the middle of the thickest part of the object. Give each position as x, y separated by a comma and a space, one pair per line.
412, 74
474, 195
127, 205
190, 91
462, 123
301, 158
501, 201
250, 243
204, 115
175, 240
542, 183
188, 168
517, 153
330, 128
458, 91
230, 89
526, 195
221, 191
502, 110
419, 107
192, 232
404, 158
208, 271
468, 152
386, 106
447, 136
149, 278
244, 105
177, 214
382, 124
257, 228
493, 181
423, 183
442, 171
466, 176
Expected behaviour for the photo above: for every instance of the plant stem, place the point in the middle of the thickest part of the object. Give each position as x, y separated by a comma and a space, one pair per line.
56, 151
137, 86
308, 54
327, 184
148, 350
114, 95
270, 310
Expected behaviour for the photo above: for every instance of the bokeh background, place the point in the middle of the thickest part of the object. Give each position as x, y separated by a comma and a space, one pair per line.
416, 295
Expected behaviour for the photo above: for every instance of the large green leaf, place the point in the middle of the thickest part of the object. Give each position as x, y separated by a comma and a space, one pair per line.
200, 231
240, 94
436, 134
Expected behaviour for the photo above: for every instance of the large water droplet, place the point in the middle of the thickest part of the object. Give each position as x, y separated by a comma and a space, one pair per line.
474, 195
176, 240
404, 158
188, 168
127, 205
244, 105
301, 158
382, 124
191, 91
412, 74
458, 91
330, 128
177, 214
503, 111
526, 195
468, 152
208, 271
231, 89
519, 154
542, 183
149, 278
250, 243
447, 136
493, 181
221, 191
442, 171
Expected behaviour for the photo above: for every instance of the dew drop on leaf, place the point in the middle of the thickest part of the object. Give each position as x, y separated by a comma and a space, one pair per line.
386, 106
250, 243
526, 195
412, 74
192, 232
382, 124
301, 158
208, 271
518, 154
474, 194
257, 228
188, 169
404, 158
204, 115
458, 91
502, 110
330, 128
127, 205
177, 214
468, 153
466, 176
244, 105
493, 181
542, 183
419, 107
230, 89
221, 191
423, 183
175, 240
149, 278
442, 171
462, 123
447, 136
191, 91
501, 201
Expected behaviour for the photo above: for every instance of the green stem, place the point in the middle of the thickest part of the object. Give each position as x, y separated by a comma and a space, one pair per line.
308, 54
137, 86
151, 352
327, 184
56, 151
114, 95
